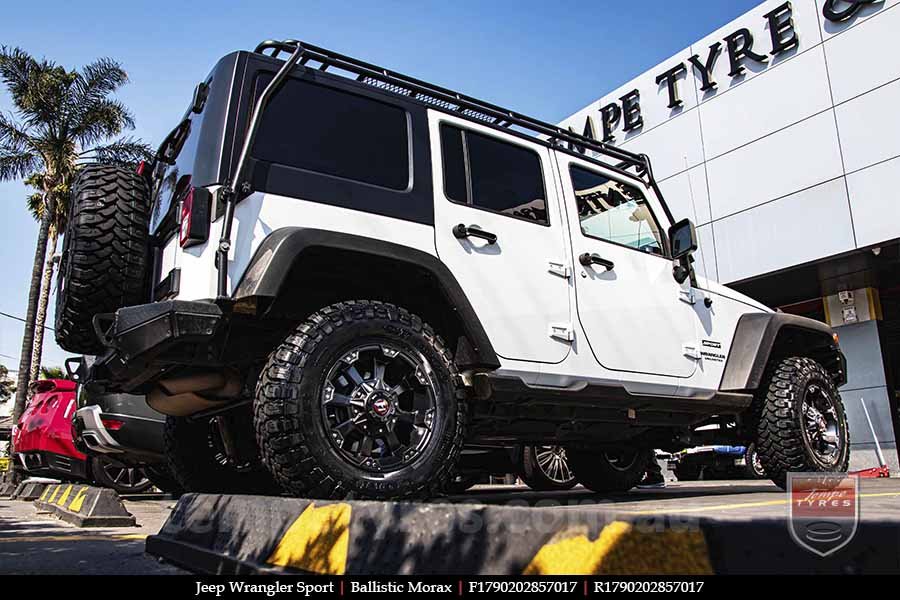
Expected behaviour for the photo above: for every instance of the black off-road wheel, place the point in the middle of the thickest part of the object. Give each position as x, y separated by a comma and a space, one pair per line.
609, 470
104, 256
361, 401
199, 460
546, 468
802, 425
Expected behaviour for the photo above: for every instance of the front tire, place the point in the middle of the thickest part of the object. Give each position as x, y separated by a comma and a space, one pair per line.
360, 401
609, 470
802, 425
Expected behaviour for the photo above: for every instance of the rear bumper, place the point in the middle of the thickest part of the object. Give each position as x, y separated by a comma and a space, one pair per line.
138, 440
143, 341
53, 465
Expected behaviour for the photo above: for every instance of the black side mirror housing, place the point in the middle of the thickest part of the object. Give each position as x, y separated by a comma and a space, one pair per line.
683, 238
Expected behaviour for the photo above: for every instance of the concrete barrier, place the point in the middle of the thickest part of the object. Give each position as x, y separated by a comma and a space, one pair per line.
29, 491
236, 535
7, 489
84, 505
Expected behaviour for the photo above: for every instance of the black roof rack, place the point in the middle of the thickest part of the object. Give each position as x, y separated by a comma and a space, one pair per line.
449, 100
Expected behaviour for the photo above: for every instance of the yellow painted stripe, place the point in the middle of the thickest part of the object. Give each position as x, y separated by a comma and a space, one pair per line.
53, 495
317, 541
737, 506
78, 500
64, 496
622, 549
44, 494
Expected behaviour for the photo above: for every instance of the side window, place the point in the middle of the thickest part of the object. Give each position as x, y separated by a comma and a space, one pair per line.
329, 131
493, 175
615, 212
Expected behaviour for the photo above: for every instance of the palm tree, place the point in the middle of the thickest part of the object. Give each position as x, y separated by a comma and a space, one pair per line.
51, 373
62, 118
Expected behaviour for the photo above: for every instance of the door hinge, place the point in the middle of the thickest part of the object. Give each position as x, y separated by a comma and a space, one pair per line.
559, 269
562, 331
691, 351
687, 296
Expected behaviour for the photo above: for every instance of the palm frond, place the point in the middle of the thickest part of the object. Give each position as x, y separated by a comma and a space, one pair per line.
16, 165
100, 119
12, 135
99, 79
124, 151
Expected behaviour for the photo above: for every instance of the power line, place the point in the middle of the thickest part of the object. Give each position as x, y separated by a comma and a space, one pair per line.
15, 318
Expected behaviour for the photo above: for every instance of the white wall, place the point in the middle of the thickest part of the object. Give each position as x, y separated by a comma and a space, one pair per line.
795, 161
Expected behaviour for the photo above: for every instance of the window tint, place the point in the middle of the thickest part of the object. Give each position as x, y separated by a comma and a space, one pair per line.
454, 164
328, 131
614, 211
502, 177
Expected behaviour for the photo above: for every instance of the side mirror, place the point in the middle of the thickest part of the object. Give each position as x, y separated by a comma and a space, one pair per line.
683, 237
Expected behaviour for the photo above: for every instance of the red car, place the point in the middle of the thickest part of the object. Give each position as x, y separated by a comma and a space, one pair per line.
45, 446
43, 436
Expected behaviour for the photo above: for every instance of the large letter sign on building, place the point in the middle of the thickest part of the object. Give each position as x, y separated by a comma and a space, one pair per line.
778, 135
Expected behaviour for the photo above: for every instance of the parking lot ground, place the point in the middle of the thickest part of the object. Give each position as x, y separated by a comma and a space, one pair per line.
39, 544
31, 543
879, 499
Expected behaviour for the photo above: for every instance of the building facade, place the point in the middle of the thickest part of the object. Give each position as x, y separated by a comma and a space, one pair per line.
779, 136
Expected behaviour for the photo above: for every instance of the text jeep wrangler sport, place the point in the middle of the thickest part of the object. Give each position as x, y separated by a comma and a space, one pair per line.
333, 277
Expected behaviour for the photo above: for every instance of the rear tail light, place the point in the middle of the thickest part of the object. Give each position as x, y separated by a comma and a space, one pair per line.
195, 217
112, 424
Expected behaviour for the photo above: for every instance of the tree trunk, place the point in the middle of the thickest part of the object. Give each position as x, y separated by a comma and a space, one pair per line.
41, 319
34, 290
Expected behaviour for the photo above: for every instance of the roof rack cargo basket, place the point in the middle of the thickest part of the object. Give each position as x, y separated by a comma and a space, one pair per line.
473, 108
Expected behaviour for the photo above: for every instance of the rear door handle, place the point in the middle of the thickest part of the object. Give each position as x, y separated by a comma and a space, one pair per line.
587, 259
462, 232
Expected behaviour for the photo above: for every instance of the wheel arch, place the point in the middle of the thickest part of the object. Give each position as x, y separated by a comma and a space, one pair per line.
761, 337
295, 272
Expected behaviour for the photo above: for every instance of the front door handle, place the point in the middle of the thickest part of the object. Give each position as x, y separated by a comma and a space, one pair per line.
587, 259
462, 232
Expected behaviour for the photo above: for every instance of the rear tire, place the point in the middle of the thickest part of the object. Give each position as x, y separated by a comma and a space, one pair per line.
198, 463
802, 425
361, 401
688, 471
609, 470
104, 256
163, 480
546, 468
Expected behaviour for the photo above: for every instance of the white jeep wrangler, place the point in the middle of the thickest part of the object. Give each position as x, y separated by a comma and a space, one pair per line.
333, 277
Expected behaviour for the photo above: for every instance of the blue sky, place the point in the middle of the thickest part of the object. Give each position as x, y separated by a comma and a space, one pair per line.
544, 58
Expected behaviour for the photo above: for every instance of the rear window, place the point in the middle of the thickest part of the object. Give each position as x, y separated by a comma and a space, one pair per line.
324, 130
493, 175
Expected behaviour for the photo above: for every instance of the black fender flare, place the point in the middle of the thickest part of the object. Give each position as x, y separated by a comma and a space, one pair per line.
273, 260
755, 338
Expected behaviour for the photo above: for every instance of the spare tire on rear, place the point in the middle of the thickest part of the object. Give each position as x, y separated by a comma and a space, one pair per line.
104, 257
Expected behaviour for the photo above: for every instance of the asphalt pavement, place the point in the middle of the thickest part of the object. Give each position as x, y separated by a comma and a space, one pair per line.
32, 543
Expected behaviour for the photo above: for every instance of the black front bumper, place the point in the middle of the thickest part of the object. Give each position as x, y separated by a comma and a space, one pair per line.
146, 340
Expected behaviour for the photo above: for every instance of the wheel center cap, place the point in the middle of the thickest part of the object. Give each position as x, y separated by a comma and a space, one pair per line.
381, 407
